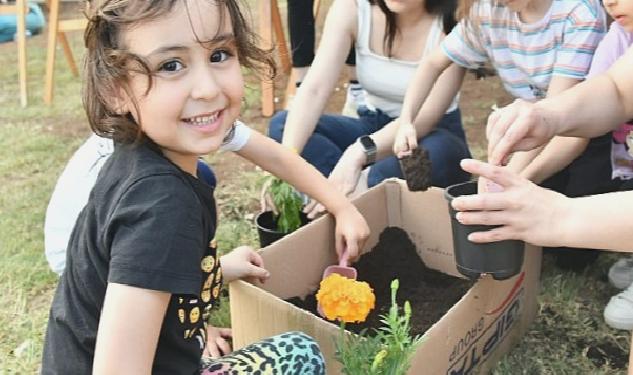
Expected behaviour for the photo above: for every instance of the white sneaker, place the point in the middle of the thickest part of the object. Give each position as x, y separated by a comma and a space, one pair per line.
619, 311
621, 273
355, 98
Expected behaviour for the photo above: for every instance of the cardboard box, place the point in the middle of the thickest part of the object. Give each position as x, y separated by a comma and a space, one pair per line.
471, 337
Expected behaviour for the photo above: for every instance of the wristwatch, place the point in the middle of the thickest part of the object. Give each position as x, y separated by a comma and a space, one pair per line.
369, 147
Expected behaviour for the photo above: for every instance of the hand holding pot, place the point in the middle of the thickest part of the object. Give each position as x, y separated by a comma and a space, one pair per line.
243, 263
266, 202
523, 210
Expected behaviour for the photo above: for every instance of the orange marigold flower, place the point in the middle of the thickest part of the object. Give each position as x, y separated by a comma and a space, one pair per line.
345, 299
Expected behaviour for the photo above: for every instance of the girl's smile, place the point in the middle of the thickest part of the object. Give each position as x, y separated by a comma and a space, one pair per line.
206, 122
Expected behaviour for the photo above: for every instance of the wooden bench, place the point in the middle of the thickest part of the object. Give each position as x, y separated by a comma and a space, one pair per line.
271, 31
20, 10
57, 31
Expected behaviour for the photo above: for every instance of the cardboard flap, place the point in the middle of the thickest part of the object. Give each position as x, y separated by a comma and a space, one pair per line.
373, 206
393, 196
426, 220
296, 262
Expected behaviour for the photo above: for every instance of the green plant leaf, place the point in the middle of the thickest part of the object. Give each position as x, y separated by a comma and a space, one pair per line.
288, 203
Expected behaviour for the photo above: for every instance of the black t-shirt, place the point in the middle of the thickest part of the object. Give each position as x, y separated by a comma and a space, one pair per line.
150, 225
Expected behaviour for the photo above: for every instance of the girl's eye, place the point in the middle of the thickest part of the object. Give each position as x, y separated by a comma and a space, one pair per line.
171, 66
220, 56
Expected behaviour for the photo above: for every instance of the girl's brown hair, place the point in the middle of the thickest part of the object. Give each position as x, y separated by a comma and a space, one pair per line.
108, 63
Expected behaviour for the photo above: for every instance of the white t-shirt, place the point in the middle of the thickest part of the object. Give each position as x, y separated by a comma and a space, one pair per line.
386, 80
75, 184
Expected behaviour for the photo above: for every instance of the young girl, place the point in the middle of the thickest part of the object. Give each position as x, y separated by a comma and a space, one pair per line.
391, 38
539, 48
164, 81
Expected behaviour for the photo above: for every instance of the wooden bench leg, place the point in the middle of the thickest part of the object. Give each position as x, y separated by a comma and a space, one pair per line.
265, 33
21, 39
53, 24
280, 38
630, 371
68, 53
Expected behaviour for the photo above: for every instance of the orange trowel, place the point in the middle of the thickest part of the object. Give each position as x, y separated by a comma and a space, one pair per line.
342, 268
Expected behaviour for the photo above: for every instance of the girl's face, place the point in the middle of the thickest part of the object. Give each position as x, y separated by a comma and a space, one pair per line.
621, 11
403, 6
197, 88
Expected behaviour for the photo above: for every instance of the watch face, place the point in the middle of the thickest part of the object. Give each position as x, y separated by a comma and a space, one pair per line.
367, 142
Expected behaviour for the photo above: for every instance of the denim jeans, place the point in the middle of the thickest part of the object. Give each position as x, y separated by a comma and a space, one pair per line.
446, 145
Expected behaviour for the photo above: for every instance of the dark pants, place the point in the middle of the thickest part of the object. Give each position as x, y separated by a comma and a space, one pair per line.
334, 133
589, 174
205, 174
302, 34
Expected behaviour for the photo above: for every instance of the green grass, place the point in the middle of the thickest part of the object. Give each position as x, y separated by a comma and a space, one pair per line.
35, 144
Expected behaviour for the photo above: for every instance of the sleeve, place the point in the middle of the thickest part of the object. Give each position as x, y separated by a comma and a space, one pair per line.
69, 198
156, 237
237, 138
608, 51
584, 28
464, 47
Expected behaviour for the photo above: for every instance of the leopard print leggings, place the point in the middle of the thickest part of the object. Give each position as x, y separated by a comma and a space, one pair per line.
289, 353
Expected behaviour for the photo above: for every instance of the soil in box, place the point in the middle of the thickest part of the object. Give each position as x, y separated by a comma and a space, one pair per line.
430, 292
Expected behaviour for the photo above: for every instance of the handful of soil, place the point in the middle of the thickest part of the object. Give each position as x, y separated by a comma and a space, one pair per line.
417, 169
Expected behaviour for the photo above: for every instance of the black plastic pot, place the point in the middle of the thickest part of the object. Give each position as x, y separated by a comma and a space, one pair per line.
502, 259
267, 227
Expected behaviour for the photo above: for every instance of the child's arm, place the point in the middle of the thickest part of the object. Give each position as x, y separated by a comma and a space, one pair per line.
543, 217
129, 327
311, 98
426, 75
351, 228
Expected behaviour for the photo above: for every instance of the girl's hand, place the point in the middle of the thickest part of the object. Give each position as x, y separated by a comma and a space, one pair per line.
523, 210
351, 232
406, 140
517, 127
243, 263
217, 344
351, 229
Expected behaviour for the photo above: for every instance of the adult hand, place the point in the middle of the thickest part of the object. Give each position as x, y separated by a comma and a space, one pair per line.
266, 202
517, 127
406, 140
344, 177
217, 344
243, 263
523, 210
